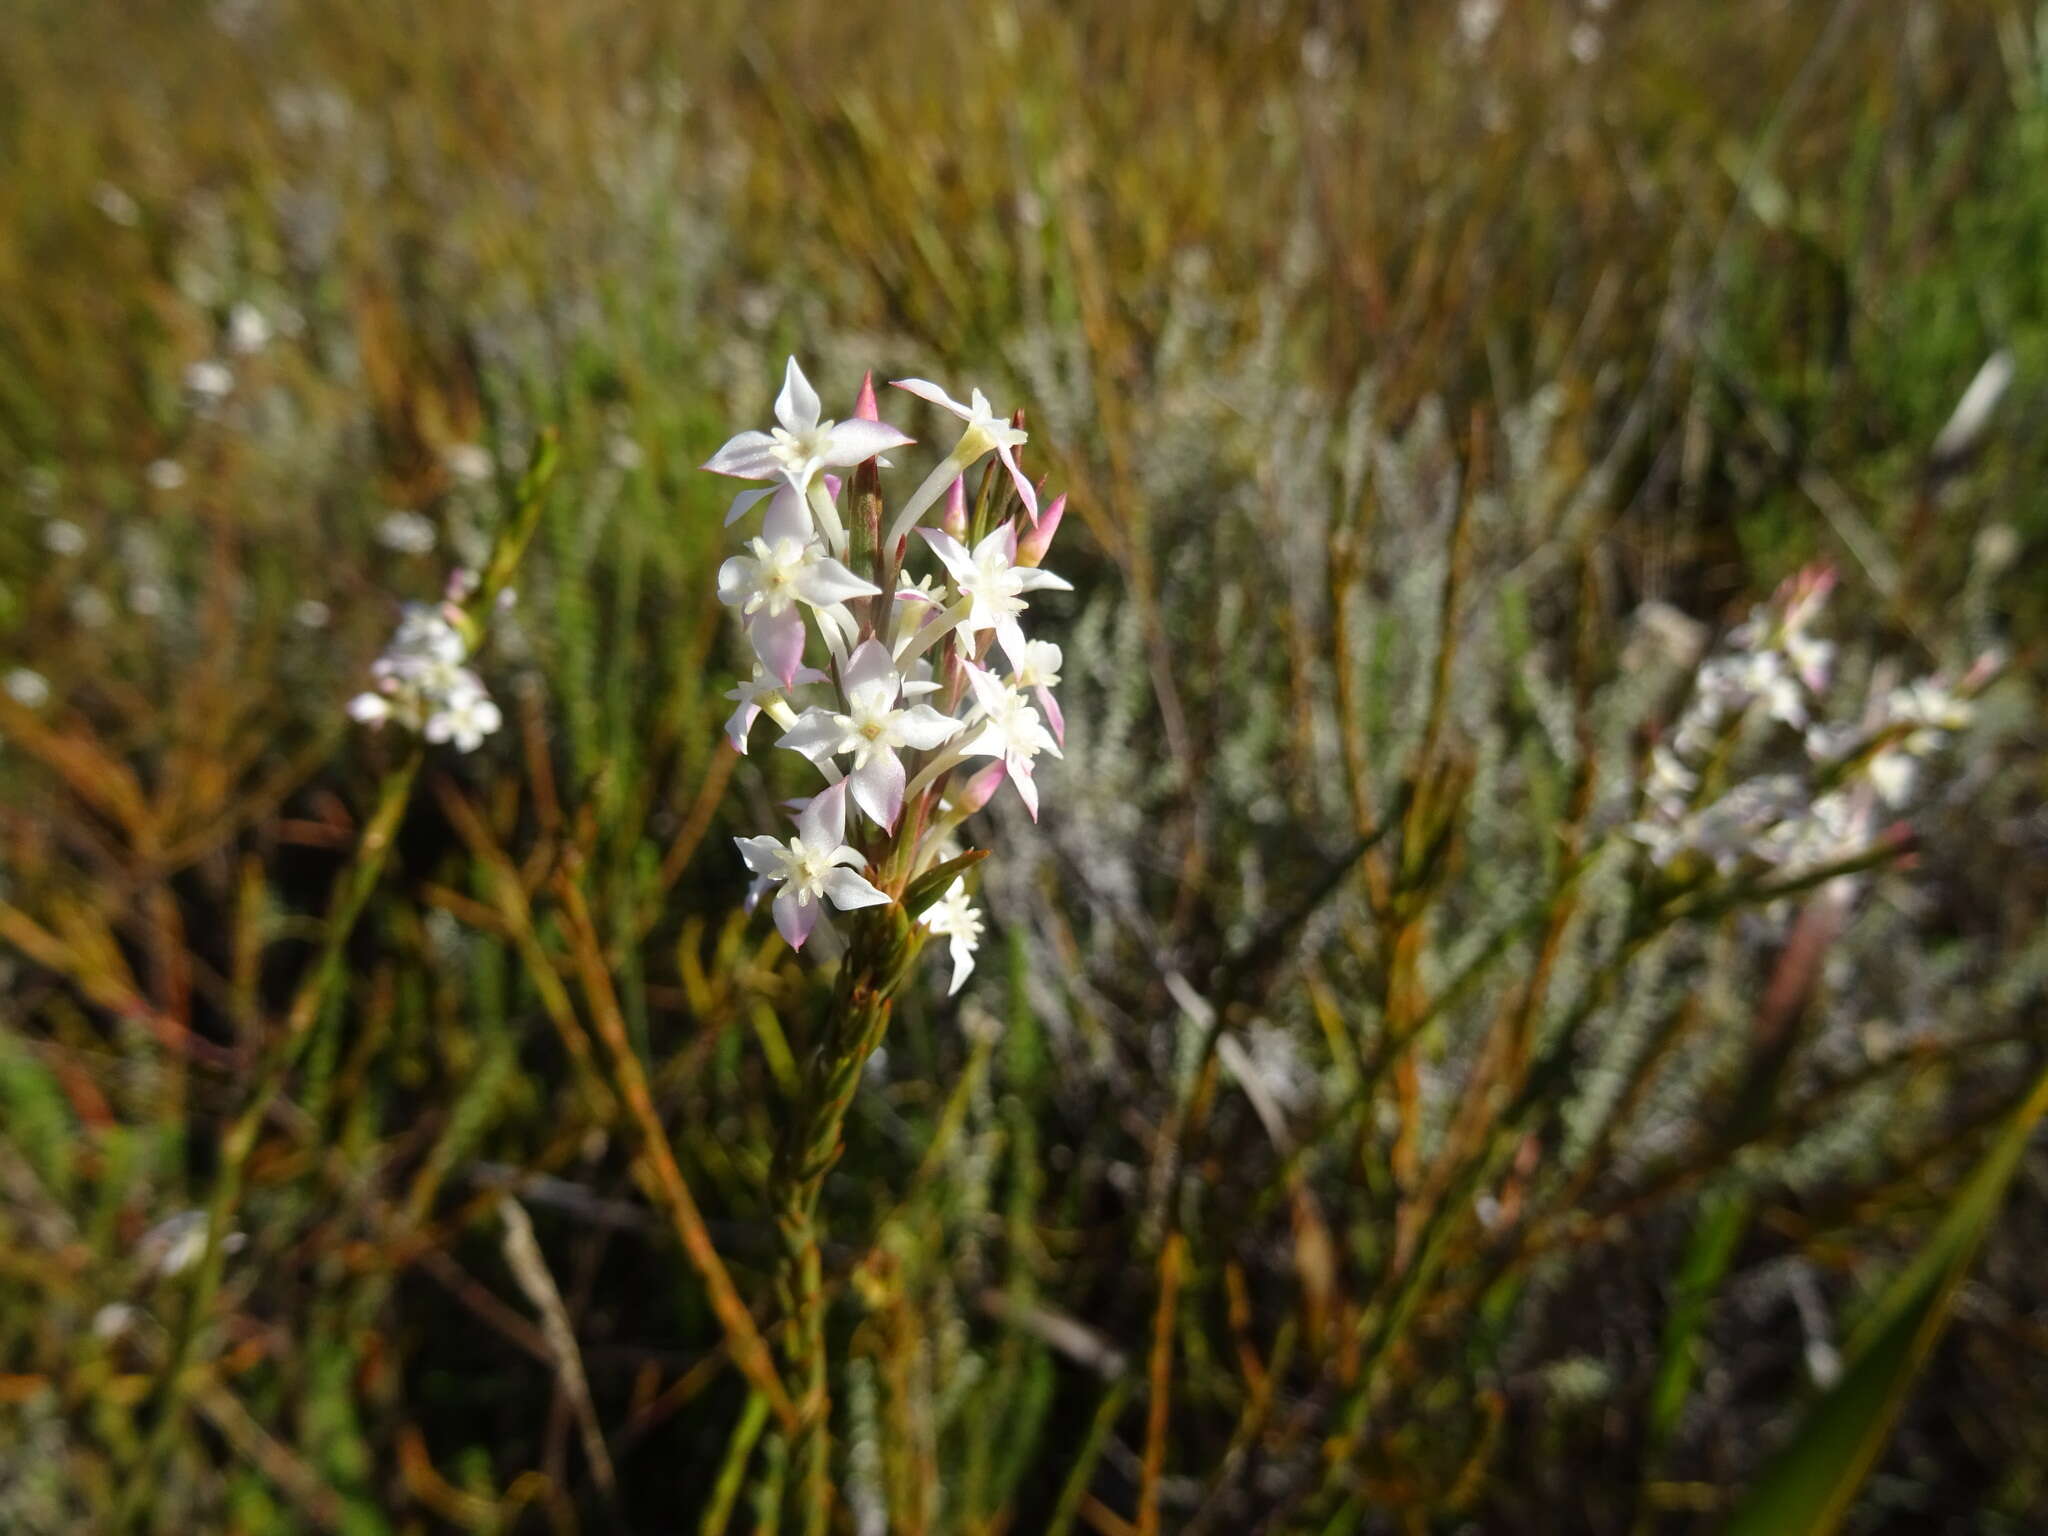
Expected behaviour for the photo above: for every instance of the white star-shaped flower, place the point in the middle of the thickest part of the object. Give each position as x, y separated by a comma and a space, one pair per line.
874, 727
811, 868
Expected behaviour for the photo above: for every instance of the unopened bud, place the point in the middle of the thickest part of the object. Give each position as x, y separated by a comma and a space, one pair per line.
981, 788
1034, 542
955, 519
864, 408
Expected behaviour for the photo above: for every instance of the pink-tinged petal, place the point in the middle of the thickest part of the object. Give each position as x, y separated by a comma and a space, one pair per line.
757, 887
981, 787
864, 407
924, 389
952, 553
1027, 789
745, 456
816, 734
807, 675
779, 642
822, 823
913, 595
787, 517
825, 580
1053, 715
855, 442
924, 728
954, 521
869, 663
739, 722
744, 502
1032, 546
763, 855
794, 920
1026, 492
850, 891
797, 406
878, 787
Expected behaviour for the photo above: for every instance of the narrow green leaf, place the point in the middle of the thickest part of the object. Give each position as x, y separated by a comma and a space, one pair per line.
1811, 1484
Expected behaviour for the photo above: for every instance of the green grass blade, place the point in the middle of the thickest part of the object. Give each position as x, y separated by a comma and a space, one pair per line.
1813, 1481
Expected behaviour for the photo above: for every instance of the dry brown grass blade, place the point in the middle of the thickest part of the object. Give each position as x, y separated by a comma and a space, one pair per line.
749, 1351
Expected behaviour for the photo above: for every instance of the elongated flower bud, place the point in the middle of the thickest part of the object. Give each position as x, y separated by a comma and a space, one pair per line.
1034, 542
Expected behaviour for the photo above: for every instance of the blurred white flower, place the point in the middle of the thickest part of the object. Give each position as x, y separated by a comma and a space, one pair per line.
248, 330
470, 462
64, 538
165, 474
116, 205
27, 688
465, 715
406, 532
311, 613
209, 379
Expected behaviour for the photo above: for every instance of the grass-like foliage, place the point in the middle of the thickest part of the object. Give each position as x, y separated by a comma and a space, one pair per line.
1508, 991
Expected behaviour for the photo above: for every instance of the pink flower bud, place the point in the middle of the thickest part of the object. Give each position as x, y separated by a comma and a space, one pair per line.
981, 788
955, 519
865, 409
1032, 546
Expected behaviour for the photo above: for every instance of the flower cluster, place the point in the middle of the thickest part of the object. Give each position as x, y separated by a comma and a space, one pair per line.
1825, 807
421, 681
916, 696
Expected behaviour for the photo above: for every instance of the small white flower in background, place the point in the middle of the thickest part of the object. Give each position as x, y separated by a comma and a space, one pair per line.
1790, 819
209, 379
407, 533
27, 688
311, 613
814, 866
469, 461
248, 330
116, 205
420, 683
954, 918
174, 1244
465, 714
912, 693
64, 538
165, 474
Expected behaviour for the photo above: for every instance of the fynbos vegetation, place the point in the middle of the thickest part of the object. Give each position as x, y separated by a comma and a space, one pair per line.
1474, 961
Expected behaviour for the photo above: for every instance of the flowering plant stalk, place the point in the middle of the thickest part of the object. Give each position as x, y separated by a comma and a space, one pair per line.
916, 697
421, 670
